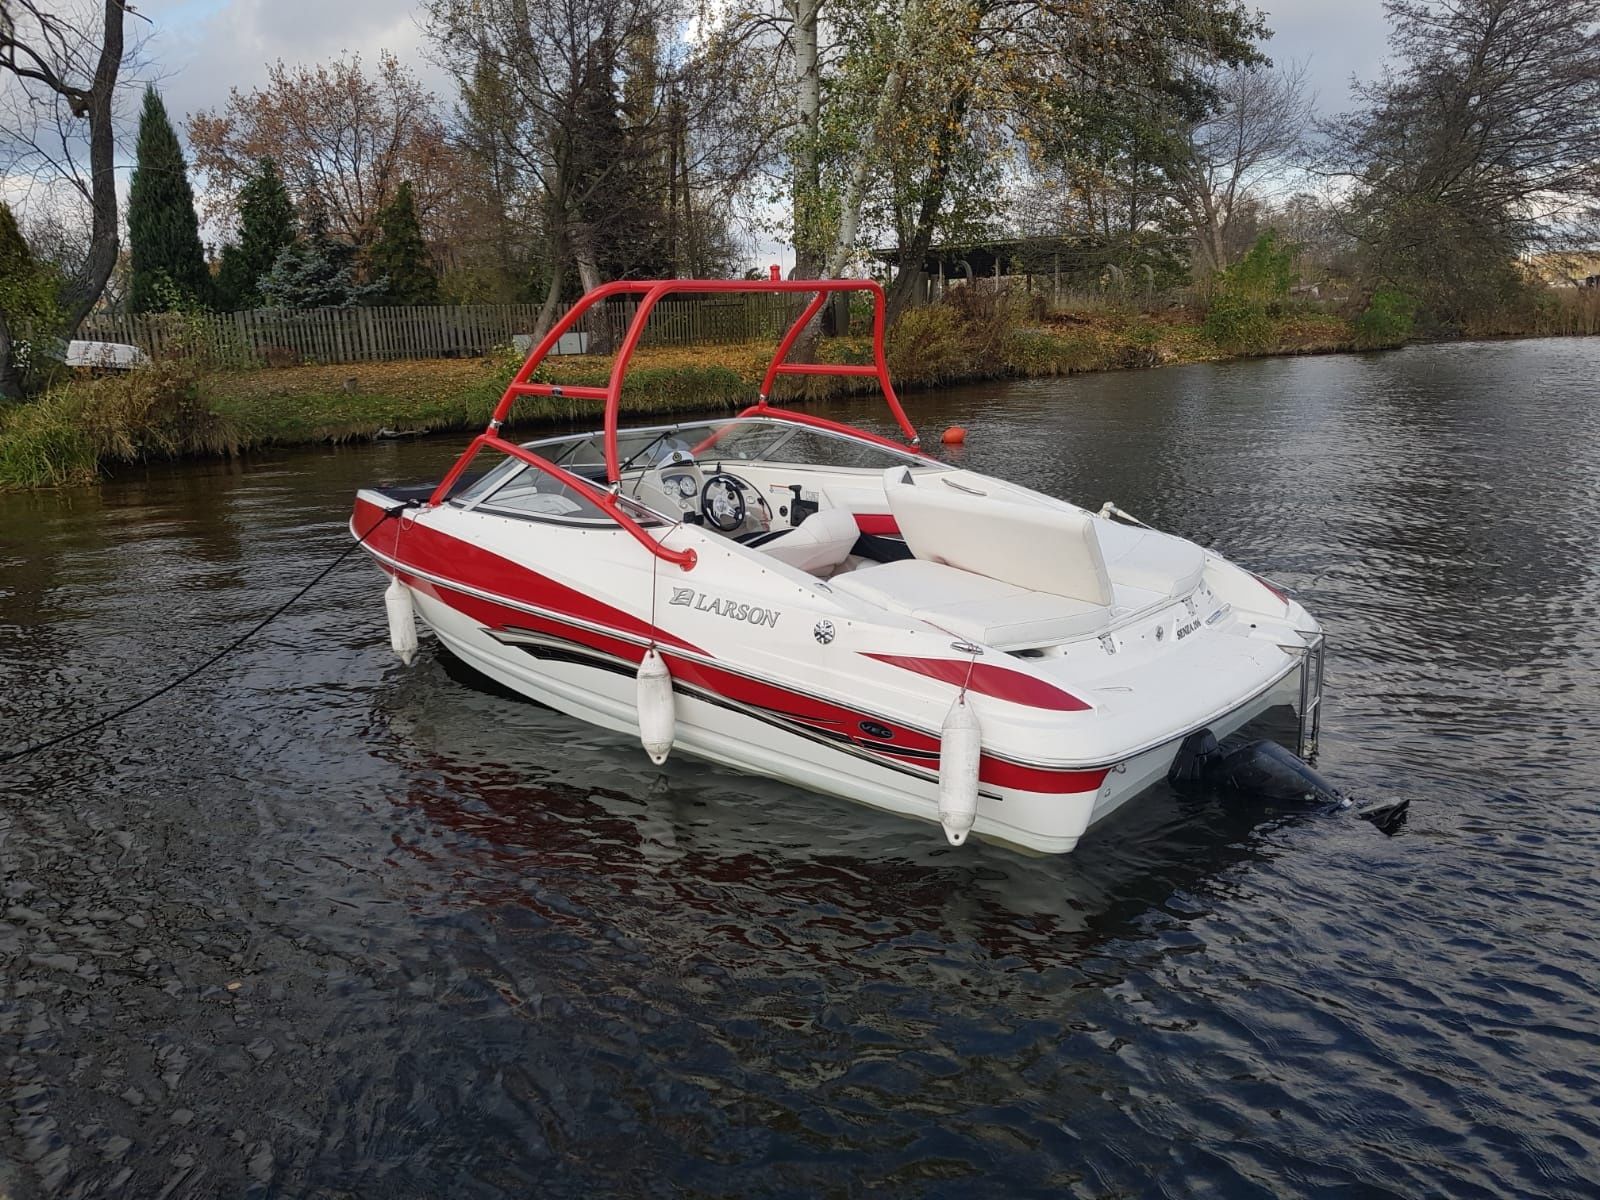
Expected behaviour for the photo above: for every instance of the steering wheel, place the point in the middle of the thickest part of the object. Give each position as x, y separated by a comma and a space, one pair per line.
722, 501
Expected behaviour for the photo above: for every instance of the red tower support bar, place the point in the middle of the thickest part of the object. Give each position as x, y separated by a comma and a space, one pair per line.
650, 293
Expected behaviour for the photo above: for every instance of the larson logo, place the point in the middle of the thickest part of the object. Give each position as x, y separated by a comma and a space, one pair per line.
732, 609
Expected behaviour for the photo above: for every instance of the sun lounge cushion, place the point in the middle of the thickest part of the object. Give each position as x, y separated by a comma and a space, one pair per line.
1034, 547
971, 606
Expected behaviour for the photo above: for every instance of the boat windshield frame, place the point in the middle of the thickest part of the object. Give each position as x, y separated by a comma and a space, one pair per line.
706, 436
649, 294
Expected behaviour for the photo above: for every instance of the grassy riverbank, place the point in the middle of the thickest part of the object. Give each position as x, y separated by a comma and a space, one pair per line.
76, 432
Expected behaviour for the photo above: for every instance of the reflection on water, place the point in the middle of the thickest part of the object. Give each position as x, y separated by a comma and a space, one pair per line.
321, 925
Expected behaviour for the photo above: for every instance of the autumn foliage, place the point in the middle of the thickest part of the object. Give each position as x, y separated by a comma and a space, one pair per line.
347, 133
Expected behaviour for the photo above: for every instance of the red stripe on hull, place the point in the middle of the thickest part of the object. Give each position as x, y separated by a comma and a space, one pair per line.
780, 701
1000, 682
416, 545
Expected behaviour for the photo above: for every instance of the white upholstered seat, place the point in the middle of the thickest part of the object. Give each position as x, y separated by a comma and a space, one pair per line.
1066, 552
822, 541
1149, 560
972, 606
1036, 547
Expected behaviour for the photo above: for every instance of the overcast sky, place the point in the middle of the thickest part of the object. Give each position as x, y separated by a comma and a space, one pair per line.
201, 48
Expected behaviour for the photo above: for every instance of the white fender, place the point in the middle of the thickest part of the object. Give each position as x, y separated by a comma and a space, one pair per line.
402, 620
656, 719
960, 747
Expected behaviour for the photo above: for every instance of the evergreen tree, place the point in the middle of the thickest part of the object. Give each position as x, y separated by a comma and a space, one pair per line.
316, 270
614, 185
27, 301
163, 234
27, 286
266, 229
400, 262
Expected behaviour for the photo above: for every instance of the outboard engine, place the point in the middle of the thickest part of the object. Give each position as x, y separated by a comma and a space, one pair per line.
1266, 771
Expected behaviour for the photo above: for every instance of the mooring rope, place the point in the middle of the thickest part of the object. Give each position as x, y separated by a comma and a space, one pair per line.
101, 722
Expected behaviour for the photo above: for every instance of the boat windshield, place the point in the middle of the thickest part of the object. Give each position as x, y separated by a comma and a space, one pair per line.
515, 489
735, 439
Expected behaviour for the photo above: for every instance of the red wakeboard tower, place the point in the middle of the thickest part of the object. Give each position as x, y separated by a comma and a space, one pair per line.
650, 292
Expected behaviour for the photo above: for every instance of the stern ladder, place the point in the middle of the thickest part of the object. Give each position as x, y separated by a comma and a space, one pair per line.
1312, 659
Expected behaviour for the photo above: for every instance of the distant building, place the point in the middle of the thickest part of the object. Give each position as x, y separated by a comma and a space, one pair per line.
1051, 263
1566, 268
1076, 257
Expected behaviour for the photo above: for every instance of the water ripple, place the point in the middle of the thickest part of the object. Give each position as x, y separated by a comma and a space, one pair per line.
319, 925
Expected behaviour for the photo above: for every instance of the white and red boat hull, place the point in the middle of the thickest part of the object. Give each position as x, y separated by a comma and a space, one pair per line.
553, 641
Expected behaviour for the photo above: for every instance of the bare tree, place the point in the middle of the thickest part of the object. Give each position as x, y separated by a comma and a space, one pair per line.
1019, 73
65, 67
1482, 143
1254, 131
544, 56
586, 101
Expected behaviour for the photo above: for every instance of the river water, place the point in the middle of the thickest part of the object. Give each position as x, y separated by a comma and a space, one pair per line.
319, 925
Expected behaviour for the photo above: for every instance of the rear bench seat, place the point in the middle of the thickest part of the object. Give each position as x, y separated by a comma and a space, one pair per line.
972, 607
1013, 575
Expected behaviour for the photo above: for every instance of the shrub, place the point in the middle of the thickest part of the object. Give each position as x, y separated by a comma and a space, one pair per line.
990, 318
44, 444
682, 389
972, 331
1265, 273
28, 298
190, 334
156, 412
1248, 295
1569, 311
1034, 352
66, 435
1387, 320
1237, 323
929, 344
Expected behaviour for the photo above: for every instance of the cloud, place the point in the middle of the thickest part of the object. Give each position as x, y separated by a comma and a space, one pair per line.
200, 49
1335, 40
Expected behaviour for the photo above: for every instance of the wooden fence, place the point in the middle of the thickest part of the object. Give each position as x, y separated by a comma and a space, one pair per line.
282, 337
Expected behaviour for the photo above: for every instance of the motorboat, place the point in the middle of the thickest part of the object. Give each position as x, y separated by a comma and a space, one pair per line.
798, 598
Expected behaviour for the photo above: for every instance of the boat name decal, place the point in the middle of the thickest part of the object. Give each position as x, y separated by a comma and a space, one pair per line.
724, 607
1185, 630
